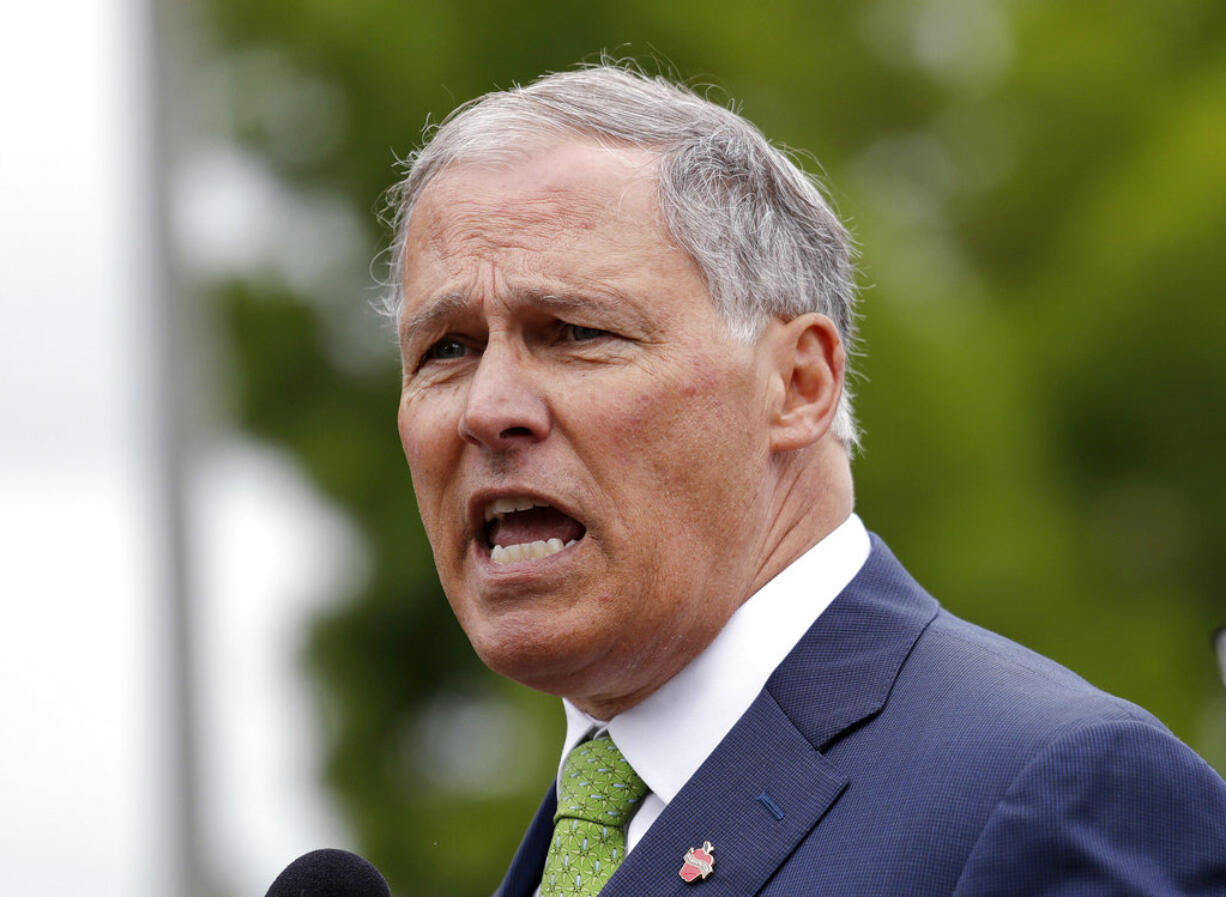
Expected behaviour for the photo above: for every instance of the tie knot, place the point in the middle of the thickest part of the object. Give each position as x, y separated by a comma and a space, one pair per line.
599, 785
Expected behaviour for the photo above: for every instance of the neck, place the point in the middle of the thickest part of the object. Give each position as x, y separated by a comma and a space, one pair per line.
813, 493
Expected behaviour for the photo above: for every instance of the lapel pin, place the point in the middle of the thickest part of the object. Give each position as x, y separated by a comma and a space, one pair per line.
699, 862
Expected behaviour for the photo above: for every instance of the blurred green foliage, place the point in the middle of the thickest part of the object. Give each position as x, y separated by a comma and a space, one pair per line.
1037, 188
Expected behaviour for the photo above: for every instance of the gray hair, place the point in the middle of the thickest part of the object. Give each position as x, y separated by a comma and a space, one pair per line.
757, 225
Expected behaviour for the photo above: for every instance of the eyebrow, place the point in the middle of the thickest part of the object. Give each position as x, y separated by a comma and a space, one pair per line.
454, 305
446, 306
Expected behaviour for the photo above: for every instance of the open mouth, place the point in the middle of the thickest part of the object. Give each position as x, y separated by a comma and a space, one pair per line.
518, 528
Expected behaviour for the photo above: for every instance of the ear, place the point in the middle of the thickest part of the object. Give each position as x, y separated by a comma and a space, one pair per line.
810, 364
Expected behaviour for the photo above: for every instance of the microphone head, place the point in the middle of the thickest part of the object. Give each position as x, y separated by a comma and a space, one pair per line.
329, 873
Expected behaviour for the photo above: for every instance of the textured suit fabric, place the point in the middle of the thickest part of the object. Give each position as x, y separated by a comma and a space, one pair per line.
899, 750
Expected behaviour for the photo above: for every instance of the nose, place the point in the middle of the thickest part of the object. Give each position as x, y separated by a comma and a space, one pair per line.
504, 409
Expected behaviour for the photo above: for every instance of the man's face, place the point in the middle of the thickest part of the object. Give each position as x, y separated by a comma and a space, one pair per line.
587, 442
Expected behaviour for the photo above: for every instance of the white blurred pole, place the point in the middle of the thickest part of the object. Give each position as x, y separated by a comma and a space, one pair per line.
172, 398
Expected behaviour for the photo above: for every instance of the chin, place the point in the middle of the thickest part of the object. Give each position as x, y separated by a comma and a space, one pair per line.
554, 662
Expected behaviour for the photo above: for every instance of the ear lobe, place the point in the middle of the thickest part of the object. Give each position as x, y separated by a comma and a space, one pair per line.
811, 364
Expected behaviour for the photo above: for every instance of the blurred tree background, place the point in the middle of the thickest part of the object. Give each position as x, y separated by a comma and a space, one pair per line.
1037, 189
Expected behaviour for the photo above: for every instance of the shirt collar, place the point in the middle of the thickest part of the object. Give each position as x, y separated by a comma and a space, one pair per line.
668, 735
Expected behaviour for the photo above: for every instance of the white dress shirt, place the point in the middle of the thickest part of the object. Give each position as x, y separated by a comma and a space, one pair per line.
668, 735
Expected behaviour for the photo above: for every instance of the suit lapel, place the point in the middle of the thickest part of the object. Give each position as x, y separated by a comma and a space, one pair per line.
843, 668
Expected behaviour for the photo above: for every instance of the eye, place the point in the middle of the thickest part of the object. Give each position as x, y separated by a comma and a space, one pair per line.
445, 349
581, 334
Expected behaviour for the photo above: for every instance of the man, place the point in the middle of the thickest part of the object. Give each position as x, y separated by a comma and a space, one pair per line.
624, 321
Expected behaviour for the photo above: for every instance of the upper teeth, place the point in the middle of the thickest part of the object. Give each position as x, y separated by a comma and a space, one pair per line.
500, 506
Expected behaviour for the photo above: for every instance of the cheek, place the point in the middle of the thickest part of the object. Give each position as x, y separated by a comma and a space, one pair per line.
430, 460
697, 422
424, 435
687, 445
610, 419
687, 398
712, 451
702, 381
404, 427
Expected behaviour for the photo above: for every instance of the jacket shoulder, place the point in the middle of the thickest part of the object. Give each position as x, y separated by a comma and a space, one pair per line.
958, 663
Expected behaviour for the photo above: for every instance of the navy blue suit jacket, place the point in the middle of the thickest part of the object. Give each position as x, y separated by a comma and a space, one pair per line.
899, 750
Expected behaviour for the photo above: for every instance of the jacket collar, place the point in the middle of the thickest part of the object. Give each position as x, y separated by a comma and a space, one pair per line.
843, 669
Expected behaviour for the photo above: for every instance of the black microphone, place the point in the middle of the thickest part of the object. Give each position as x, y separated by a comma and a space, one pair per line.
329, 873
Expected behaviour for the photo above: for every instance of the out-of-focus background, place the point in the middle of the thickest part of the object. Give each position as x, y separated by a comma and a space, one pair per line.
223, 641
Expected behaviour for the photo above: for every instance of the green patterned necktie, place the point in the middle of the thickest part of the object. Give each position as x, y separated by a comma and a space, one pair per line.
597, 794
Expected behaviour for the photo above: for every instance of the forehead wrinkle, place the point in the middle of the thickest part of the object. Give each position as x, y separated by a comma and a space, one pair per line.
533, 221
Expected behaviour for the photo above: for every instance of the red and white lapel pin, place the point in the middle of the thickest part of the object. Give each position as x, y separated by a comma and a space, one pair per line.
699, 862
